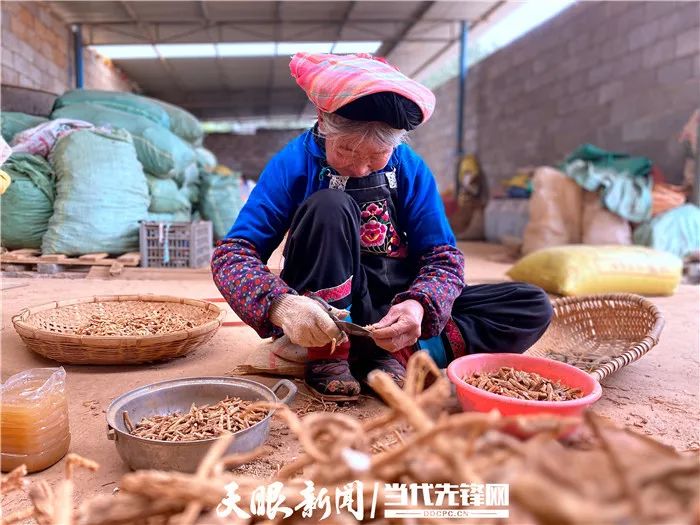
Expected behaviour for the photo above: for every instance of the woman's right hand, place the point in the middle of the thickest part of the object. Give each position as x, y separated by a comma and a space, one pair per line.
305, 321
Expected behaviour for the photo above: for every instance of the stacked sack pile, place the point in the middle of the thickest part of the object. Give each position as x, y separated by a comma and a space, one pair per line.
607, 222
83, 179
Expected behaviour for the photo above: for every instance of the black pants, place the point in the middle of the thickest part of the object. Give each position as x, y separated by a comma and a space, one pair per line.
323, 252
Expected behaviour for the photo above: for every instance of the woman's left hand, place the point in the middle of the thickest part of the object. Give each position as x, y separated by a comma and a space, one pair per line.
400, 327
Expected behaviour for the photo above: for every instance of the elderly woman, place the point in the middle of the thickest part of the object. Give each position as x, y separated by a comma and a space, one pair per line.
367, 233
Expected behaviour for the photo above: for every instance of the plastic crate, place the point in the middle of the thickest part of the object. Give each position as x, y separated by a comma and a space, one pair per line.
176, 244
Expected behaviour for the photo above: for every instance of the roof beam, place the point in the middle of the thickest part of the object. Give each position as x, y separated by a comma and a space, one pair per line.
444, 48
389, 46
220, 72
228, 96
152, 33
344, 21
255, 21
205, 11
271, 70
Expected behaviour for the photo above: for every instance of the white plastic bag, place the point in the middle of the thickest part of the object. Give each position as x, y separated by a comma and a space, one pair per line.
601, 226
556, 207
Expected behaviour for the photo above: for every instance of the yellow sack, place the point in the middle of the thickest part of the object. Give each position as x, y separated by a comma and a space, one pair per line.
5, 182
583, 270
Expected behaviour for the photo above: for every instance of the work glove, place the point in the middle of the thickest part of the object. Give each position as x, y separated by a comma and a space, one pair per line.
305, 321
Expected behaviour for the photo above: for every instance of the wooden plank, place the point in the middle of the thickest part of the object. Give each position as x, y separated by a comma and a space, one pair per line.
53, 257
10, 267
130, 258
93, 256
153, 274
116, 269
14, 254
63, 260
25, 251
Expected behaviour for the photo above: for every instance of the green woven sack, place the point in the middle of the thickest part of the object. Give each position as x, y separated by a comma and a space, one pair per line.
189, 182
123, 101
190, 175
101, 194
206, 159
178, 216
27, 205
162, 153
166, 197
13, 123
191, 193
183, 123
220, 201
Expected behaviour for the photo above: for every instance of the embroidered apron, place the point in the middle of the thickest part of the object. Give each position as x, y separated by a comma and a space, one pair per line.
385, 265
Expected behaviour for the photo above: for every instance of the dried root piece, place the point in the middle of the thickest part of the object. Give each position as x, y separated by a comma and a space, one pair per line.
44, 502
75, 460
194, 508
507, 381
15, 480
160, 320
607, 478
584, 361
204, 422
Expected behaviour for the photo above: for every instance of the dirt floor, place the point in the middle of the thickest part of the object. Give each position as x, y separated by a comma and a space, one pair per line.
657, 395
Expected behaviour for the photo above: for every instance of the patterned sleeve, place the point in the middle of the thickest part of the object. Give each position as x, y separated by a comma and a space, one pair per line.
439, 282
247, 284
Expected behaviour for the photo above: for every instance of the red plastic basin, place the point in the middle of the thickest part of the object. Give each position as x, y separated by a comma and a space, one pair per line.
476, 399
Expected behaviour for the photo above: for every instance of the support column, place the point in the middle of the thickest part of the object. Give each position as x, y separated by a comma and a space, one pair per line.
461, 96
78, 50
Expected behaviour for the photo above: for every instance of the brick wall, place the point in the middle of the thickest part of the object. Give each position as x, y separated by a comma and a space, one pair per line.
622, 75
249, 153
436, 140
37, 53
100, 73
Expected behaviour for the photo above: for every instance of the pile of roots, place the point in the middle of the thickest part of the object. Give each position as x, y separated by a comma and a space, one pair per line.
604, 475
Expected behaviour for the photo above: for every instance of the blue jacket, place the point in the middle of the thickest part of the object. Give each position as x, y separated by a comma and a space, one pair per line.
238, 264
293, 175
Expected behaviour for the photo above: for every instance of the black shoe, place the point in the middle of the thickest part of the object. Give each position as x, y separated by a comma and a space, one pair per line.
331, 379
378, 359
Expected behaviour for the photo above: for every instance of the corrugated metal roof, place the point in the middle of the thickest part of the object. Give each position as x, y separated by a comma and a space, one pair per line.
413, 36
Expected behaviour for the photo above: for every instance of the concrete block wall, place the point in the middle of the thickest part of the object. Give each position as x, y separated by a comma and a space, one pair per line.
249, 153
622, 75
37, 53
100, 73
436, 140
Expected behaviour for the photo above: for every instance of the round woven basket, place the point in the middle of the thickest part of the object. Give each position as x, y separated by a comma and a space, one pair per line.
50, 329
600, 333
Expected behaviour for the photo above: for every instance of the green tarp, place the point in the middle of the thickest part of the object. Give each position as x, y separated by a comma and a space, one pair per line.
623, 180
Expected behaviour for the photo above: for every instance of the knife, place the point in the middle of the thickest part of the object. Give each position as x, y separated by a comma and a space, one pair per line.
345, 326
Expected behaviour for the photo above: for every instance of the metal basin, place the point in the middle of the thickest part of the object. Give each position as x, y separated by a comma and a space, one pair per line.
177, 395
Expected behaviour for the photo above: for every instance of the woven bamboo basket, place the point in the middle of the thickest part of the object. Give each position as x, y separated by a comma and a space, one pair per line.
600, 333
50, 329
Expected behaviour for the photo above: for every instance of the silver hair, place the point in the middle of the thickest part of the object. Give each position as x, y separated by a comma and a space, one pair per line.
380, 133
